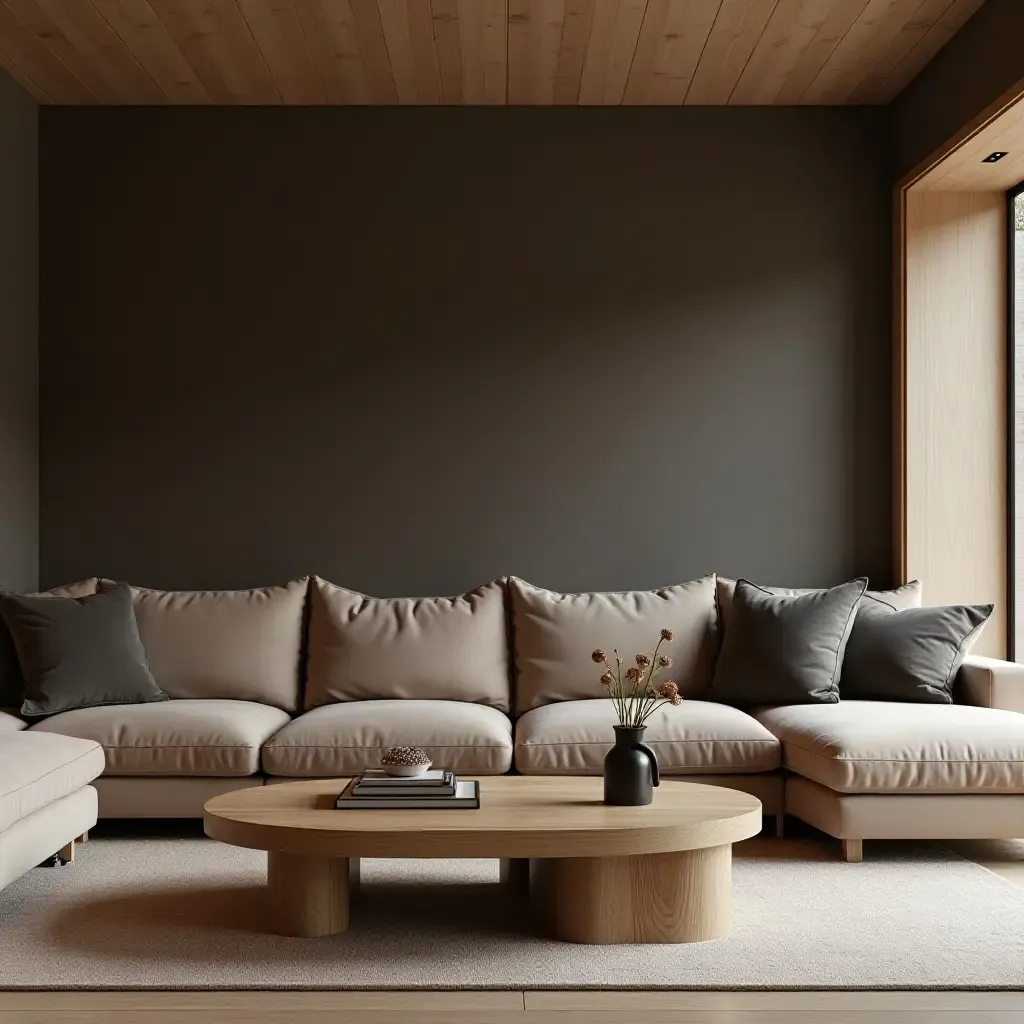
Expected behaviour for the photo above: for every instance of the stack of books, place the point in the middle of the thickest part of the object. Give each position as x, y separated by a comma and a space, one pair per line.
433, 790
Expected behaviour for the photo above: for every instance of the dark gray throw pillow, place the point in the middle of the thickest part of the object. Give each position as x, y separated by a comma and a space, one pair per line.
910, 655
785, 649
79, 652
11, 681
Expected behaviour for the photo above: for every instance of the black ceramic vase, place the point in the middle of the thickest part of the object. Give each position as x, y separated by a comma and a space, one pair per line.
630, 769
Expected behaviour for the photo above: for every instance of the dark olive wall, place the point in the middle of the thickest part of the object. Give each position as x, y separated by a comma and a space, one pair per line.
414, 349
982, 61
19, 410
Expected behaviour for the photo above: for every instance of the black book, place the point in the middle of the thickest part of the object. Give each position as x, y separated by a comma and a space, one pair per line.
466, 797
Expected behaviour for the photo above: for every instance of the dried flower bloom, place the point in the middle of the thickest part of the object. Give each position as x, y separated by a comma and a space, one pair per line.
668, 689
599, 655
665, 662
607, 679
643, 660
633, 674
668, 634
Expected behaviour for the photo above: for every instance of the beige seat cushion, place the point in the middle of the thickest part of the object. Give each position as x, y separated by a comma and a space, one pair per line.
176, 737
554, 635
36, 770
229, 644
572, 738
906, 596
881, 747
11, 721
431, 648
343, 739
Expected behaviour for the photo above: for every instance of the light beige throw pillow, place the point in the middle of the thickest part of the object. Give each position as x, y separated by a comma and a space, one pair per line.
554, 635
228, 644
429, 648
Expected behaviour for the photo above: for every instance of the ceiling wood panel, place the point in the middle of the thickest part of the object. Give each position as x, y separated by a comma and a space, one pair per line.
38, 64
329, 28
530, 52
908, 33
370, 33
445, 16
215, 39
30, 87
739, 25
839, 20
672, 39
957, 14
83, 39
409, 37
851, 60
572, 50
534, 44
483, 25
147, 38
276, 29
614, 32
790, 31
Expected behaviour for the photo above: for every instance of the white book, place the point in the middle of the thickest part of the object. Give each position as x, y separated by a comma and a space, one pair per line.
378, 777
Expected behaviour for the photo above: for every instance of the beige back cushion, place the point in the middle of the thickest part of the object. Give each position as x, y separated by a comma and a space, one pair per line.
906, 596
229, 644
83, 588
431, 648
554, 634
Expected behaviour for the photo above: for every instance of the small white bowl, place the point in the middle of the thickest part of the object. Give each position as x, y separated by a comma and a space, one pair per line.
406, 771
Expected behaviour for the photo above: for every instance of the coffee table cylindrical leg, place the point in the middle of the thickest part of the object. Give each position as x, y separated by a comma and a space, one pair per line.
308, 895
514, 873
664, 897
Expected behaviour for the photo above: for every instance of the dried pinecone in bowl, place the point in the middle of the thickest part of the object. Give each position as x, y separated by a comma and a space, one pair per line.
405, 756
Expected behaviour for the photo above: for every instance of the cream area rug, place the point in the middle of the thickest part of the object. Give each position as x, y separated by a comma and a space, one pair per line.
189, 913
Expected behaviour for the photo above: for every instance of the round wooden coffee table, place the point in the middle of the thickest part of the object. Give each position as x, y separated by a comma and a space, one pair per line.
661, 873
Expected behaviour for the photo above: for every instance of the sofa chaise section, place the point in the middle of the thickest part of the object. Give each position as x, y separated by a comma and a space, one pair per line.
46, 801
884, 770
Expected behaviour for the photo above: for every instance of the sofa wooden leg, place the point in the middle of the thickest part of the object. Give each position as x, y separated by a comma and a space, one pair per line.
780, 825
83, 838
67, 853
853, 850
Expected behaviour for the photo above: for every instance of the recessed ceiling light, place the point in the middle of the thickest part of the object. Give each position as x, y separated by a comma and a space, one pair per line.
993, 158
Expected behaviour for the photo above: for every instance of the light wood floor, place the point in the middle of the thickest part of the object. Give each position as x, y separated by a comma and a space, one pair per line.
1005, 858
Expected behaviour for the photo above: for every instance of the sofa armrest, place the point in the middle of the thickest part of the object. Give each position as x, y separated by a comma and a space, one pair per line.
991, 683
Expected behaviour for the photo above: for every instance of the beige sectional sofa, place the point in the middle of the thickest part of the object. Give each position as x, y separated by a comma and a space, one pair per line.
312, 680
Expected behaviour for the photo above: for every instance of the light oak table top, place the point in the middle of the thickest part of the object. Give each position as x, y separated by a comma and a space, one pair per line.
519, 817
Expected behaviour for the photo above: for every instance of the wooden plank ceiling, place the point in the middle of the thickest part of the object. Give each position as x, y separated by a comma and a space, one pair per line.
602, 52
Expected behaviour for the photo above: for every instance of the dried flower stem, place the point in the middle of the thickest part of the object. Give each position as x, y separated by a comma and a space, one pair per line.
633, 708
